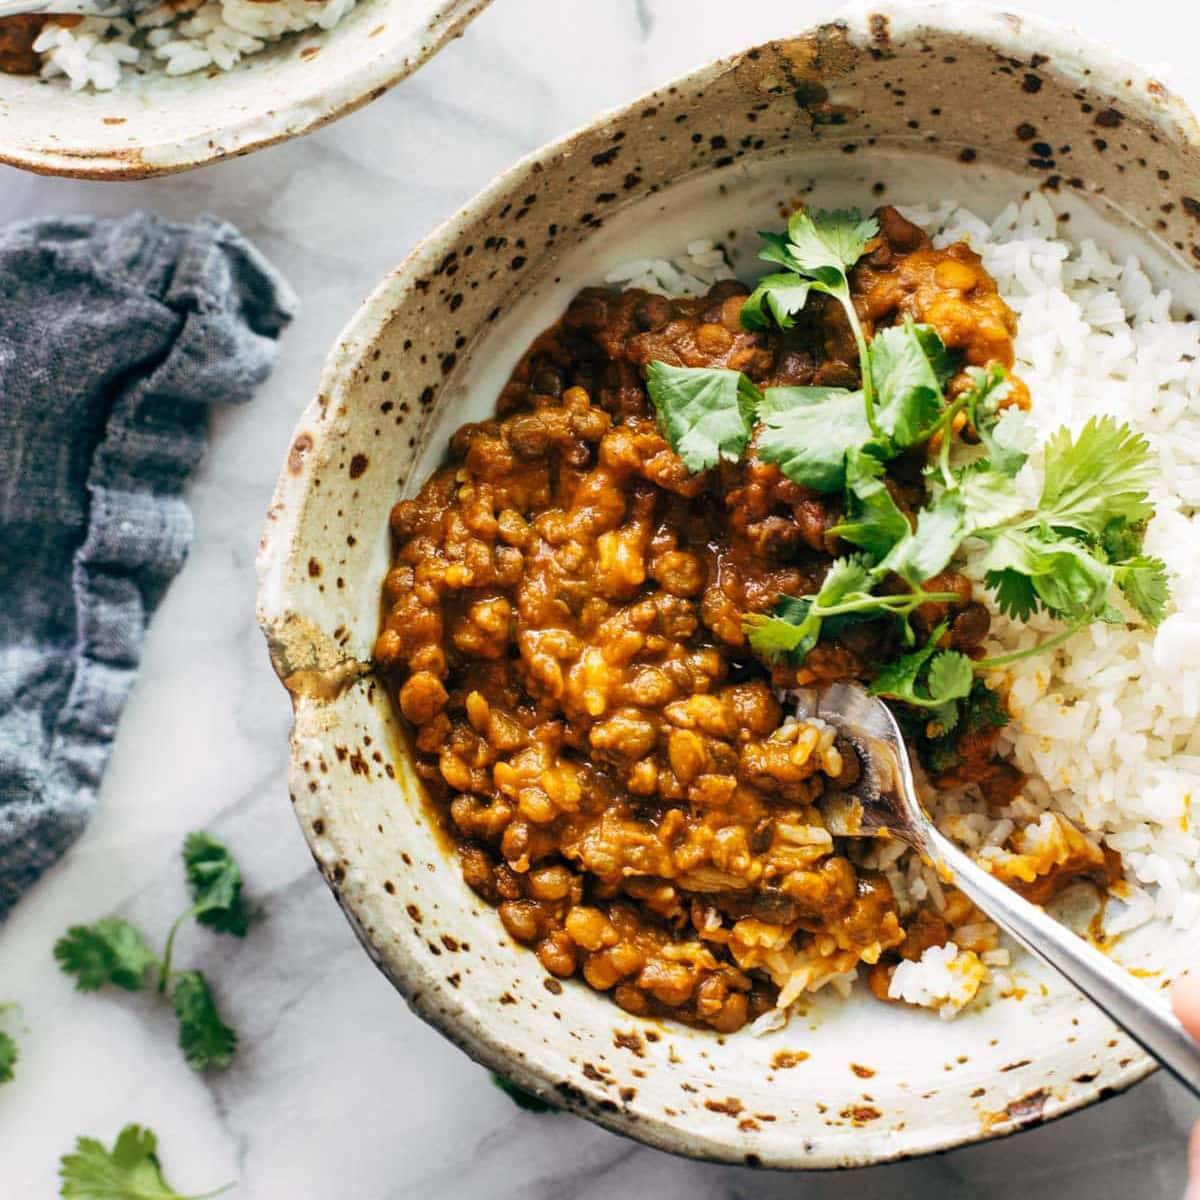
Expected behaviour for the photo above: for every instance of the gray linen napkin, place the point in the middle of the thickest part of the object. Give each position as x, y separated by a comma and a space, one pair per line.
116, 338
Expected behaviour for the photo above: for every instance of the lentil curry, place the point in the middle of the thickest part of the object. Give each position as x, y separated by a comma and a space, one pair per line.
565, 633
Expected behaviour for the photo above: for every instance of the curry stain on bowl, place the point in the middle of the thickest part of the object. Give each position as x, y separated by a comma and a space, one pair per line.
860, 108
154, 124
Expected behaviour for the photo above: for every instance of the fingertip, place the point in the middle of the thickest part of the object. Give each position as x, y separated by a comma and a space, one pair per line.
1185, 1000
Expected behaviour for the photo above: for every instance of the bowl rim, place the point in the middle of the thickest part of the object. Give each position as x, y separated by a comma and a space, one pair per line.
994, 27
252, 131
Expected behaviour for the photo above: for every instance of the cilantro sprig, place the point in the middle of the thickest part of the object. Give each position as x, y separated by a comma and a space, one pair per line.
114, 951
1066, 556
129, 1171
707, 414
929, 678
795, 626
9, 1051
817, 254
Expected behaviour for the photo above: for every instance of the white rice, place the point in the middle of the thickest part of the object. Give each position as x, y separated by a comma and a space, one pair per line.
1106, 727
689, 274
946, 978
177, 38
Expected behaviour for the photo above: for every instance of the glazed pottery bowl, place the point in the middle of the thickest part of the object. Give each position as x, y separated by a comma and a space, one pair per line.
913, 105
154, 124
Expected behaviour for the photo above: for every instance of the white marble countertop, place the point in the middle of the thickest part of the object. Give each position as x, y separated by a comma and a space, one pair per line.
338, 1092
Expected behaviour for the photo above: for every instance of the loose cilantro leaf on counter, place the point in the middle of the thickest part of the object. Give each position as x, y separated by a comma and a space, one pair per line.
206, 1041
129, 1171
706, 413
8, 1057
114, 951
215, 882
110, 951
948, 675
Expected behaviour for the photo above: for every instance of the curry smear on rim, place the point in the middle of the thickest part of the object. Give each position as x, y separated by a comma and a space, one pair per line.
564, 633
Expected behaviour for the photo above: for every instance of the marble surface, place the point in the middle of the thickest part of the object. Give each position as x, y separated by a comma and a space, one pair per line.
338, 1092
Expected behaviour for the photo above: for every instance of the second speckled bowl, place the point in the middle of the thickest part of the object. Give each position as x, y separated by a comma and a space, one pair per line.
867, 106
155, 124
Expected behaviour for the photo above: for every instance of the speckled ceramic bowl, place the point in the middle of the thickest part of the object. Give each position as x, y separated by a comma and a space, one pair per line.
870, 106
154, 124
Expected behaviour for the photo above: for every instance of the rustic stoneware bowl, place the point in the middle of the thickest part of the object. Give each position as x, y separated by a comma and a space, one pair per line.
896, 103
154, 124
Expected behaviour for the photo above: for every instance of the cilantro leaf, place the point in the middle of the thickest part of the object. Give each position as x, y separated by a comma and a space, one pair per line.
1100, 476
808, 431
1122, 541
791, 631
8, 1057
1143, 580
873, 521
1014, 593
825, 245
794, 627
989, 496
705, 413
1066, 580
949, 677
206, 1041
215, 881
781, 296
110, 951
1006, 433
940, 529
821, 247
908, 391
981, 709
130, 1171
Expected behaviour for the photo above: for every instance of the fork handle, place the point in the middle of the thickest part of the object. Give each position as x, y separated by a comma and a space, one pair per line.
1152, 1025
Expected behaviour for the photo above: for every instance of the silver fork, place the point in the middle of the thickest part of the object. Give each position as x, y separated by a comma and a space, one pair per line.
884, 803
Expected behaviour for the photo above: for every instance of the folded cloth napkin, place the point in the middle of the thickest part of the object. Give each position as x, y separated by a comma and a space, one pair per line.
116, 338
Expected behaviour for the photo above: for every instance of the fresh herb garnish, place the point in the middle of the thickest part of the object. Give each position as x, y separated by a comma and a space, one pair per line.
215, 882
206, 1041
819, 249
795, 626
808, 431
873, 520
928, 678
129, 1171
1065, 556
935, 736
8, 1057
706, 413
113, 951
